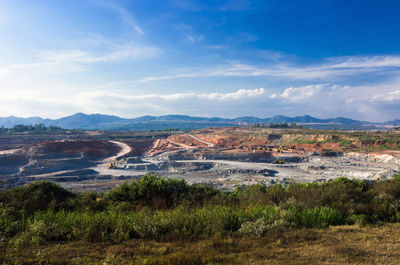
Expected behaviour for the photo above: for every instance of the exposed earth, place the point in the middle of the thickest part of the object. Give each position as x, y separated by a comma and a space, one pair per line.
224, 157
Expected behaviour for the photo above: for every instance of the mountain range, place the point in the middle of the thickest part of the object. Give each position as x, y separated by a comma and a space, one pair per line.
182, 122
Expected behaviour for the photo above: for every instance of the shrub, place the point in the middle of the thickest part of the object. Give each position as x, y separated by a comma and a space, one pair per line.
160, 208
321, 217
10, 224
150, 190
258, 227
358, 219
41, 195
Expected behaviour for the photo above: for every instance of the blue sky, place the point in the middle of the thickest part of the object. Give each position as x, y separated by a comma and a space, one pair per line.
324, 58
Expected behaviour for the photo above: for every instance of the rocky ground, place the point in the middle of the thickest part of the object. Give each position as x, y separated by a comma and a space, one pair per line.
213, 157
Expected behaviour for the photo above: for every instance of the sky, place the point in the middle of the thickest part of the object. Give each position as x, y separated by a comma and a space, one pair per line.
325, 58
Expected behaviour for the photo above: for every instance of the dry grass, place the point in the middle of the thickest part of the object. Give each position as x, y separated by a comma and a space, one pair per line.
335, 245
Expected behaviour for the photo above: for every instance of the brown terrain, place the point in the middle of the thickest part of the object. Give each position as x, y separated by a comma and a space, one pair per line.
333, 245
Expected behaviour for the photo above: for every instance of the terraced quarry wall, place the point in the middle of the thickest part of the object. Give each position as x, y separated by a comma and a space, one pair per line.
225, 158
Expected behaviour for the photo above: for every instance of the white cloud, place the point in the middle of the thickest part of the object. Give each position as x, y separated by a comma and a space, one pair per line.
124, 14
301, 93
243, 37
387, 92
67, 61
236, 95
364, 62
122, 52
240, 94
342, 66
189, 36
42, 68
388, 96
128, 105
192, 38
3, 15
320, 100
23, 107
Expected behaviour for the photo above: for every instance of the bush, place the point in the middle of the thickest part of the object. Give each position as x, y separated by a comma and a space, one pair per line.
11, 222
321, 217
150, 190
159, 208
359, 219
36, 196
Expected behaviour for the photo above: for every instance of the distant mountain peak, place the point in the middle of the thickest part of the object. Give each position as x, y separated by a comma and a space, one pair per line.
97, 121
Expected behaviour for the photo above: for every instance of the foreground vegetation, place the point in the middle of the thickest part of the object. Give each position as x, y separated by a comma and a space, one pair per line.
334, 245
165, 216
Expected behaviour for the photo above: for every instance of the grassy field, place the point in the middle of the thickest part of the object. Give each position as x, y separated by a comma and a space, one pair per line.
167, 221
334, 245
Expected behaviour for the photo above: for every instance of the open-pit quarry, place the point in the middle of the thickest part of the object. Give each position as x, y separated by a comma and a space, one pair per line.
224, 158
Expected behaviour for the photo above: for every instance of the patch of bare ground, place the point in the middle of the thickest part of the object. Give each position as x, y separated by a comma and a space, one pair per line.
187, 140
335, 245
139, 147
75, 147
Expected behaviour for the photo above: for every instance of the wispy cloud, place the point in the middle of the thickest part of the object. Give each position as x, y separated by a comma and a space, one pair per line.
77, 60
236, 95
124, 14
242, 37
335, 67
188, 103
216, 46
48, 108
44, 67
321, 100
121, 52
301, 93
189, 36
388, 96
363, 62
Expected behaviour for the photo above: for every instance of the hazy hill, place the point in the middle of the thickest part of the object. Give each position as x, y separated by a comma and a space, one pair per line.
12, 120
110, 122
84, 121
394, 122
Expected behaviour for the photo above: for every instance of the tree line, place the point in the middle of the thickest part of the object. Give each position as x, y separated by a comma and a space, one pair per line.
38, 128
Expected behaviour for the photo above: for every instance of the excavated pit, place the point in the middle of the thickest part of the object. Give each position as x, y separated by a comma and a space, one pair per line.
227, 171
100, 165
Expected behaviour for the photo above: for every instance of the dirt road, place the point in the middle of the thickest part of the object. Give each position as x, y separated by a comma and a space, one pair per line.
125, 149
185, 146
201, 141
9, 152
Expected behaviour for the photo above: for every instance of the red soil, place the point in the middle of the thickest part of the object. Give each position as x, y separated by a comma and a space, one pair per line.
187, 140
76, 147
139, 147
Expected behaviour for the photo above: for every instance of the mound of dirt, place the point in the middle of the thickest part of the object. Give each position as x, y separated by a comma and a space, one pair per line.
185, 139
95, 149
9, 164
139, 147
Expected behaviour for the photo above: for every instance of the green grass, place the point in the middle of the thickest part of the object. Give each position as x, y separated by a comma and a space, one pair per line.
335, 245
346, 142
163, 217
156, 208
